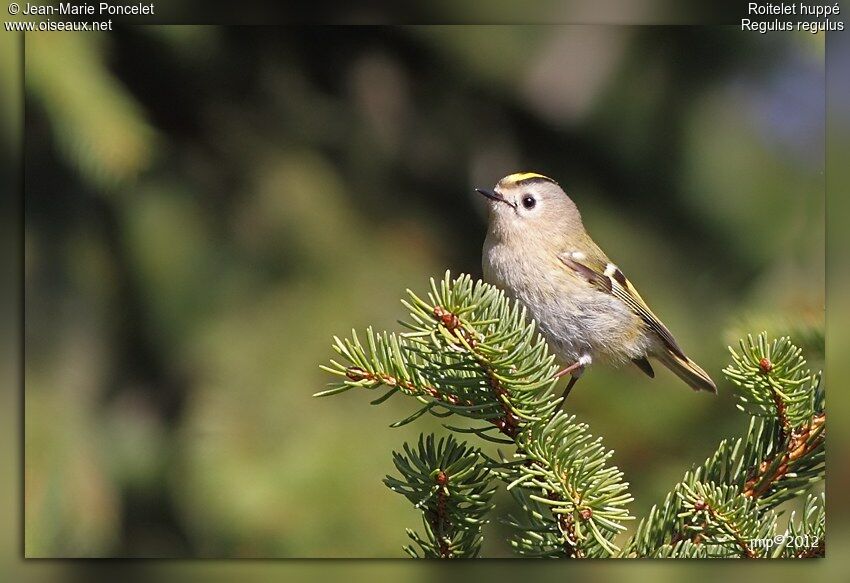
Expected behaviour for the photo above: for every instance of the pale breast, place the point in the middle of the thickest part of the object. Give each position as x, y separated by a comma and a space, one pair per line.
574, 317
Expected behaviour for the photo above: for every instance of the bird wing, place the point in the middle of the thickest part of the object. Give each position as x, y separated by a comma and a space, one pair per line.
608, 278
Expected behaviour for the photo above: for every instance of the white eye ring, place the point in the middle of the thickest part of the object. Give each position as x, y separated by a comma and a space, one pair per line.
528, 201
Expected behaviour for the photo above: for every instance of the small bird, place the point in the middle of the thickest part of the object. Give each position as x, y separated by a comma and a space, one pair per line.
539, 253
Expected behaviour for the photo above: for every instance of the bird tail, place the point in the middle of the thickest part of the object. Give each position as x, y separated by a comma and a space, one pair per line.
687, 370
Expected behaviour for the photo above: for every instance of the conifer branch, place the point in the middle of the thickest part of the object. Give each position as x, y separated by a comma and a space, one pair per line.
449, 482
563, 468
772, 380
720, 516
470, 351
802, 445
781, 456
806, 539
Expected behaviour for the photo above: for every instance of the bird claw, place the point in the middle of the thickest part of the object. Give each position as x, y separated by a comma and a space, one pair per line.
576, 369
569, 370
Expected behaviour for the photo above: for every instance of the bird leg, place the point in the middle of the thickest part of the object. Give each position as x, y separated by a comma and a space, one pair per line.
569, 370
576, 370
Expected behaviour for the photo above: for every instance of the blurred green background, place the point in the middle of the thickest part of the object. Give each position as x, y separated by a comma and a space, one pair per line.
206, 207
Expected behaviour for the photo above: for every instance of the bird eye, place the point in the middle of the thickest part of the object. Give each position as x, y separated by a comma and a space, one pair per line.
528, 201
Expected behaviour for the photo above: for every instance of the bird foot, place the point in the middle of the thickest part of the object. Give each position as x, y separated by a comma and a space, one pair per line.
569, 370
576, 369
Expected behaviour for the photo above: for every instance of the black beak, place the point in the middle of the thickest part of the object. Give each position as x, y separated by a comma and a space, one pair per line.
492, 195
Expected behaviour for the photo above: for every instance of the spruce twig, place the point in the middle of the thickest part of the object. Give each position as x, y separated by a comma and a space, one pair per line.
782, 455
449, 482
470, 351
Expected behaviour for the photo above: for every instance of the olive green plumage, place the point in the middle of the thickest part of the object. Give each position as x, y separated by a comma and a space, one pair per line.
538, 251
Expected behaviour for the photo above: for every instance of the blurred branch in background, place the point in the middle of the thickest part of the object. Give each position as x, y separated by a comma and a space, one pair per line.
98, 125
206, 205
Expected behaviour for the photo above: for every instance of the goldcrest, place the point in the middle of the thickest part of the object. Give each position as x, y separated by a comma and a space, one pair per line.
538, 251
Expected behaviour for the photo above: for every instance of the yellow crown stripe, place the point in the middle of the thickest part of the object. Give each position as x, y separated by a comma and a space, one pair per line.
519, 176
